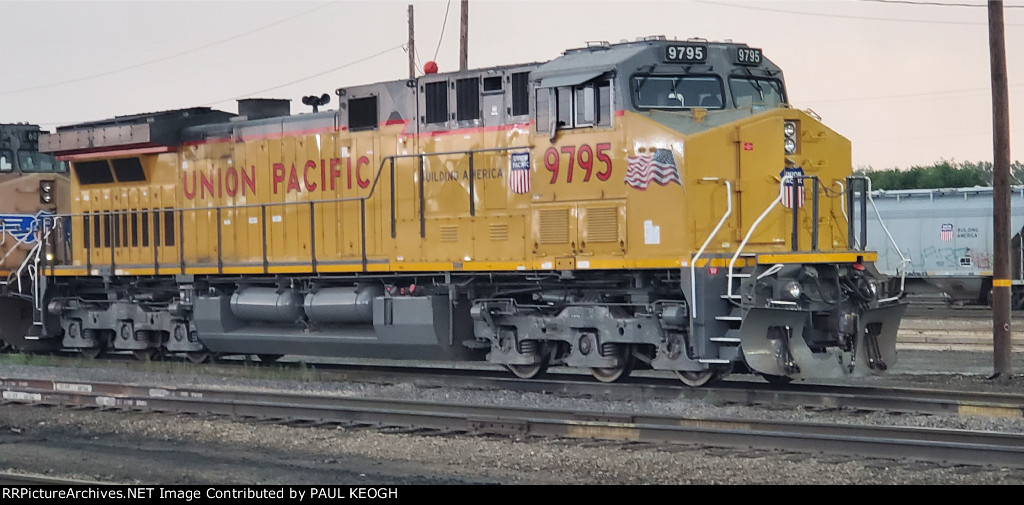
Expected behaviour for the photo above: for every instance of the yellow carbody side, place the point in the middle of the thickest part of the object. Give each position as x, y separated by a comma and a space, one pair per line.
594, 221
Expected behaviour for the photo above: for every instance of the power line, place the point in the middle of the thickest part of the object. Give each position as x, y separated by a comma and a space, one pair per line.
937, 4
165, 58
845, 16
443, 24
208, 104
349, 64
971, 91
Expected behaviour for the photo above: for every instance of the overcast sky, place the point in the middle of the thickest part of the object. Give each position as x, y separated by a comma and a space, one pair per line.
908, 84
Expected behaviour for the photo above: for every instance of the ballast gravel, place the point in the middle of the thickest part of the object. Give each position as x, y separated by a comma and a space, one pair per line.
150, 448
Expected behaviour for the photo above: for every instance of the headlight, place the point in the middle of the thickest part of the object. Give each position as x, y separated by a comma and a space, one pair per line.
874, 288
45, 191
791, 290
789, 129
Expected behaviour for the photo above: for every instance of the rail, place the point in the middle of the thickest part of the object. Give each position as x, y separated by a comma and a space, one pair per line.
750, 232
116, 235
903, 259
693, 261
865, 190
842, 203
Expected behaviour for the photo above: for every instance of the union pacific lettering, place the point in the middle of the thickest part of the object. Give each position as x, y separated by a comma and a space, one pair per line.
313, 175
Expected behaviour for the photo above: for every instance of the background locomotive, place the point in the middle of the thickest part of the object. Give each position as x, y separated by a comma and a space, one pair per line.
32, 184
654, 203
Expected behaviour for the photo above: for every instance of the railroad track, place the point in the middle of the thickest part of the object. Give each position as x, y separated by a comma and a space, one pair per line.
21, 479
643, 385
926, 444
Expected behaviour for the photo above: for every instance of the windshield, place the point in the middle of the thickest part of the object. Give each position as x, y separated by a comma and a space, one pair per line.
677, 92
748, 91
32, 162
6, 161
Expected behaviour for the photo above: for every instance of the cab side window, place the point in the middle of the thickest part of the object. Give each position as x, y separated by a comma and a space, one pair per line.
583, 105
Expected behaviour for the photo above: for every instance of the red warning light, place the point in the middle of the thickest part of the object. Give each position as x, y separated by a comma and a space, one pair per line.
858, 266
430, 68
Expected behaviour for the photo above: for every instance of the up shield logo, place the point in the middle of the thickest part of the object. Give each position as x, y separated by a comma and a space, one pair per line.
787, 189
23, 227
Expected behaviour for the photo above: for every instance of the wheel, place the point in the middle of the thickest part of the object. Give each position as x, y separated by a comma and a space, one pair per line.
198, 356
102, 343
269, 358
145, 354
612, 374
528, 371
777, 380
92, 352
698, 379
1017, 300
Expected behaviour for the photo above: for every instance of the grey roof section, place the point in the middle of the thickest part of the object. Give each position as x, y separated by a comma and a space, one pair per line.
591, 60
156, 128
568, 80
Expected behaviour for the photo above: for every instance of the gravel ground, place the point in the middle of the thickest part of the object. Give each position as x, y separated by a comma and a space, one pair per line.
164, 449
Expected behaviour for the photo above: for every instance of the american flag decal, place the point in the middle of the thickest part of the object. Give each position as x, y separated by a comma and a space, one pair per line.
787, 188
659, 168
947, 232
519, 172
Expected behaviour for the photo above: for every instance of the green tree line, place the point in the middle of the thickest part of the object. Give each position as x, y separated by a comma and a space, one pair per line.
941, 174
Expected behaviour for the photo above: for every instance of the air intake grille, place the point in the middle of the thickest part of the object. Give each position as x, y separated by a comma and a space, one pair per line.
554, 226
499, 232
603, 224
449, 233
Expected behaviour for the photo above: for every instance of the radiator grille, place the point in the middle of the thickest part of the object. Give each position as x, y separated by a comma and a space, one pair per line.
603, 224
554, 226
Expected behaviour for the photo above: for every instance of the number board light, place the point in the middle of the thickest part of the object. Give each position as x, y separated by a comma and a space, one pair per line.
686, 53
32, 136
748, 56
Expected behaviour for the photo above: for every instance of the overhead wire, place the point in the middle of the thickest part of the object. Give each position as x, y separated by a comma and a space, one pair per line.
443, 24
318, 74
937, 4
165, 58
847, 16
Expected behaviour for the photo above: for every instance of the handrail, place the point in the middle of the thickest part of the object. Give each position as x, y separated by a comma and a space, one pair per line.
179, 212
21, 241
732, 262
693, 261
903, 260
842, 205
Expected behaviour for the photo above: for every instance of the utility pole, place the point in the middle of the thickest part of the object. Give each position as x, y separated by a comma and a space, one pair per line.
1001, 286
412, 47
464, 37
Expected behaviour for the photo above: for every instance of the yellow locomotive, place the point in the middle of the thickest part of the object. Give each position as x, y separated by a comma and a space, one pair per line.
653, 203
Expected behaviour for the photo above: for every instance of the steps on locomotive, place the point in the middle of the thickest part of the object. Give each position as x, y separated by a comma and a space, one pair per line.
738, 275
725, 339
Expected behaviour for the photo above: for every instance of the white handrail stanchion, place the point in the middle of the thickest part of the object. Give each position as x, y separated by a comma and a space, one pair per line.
693, 261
